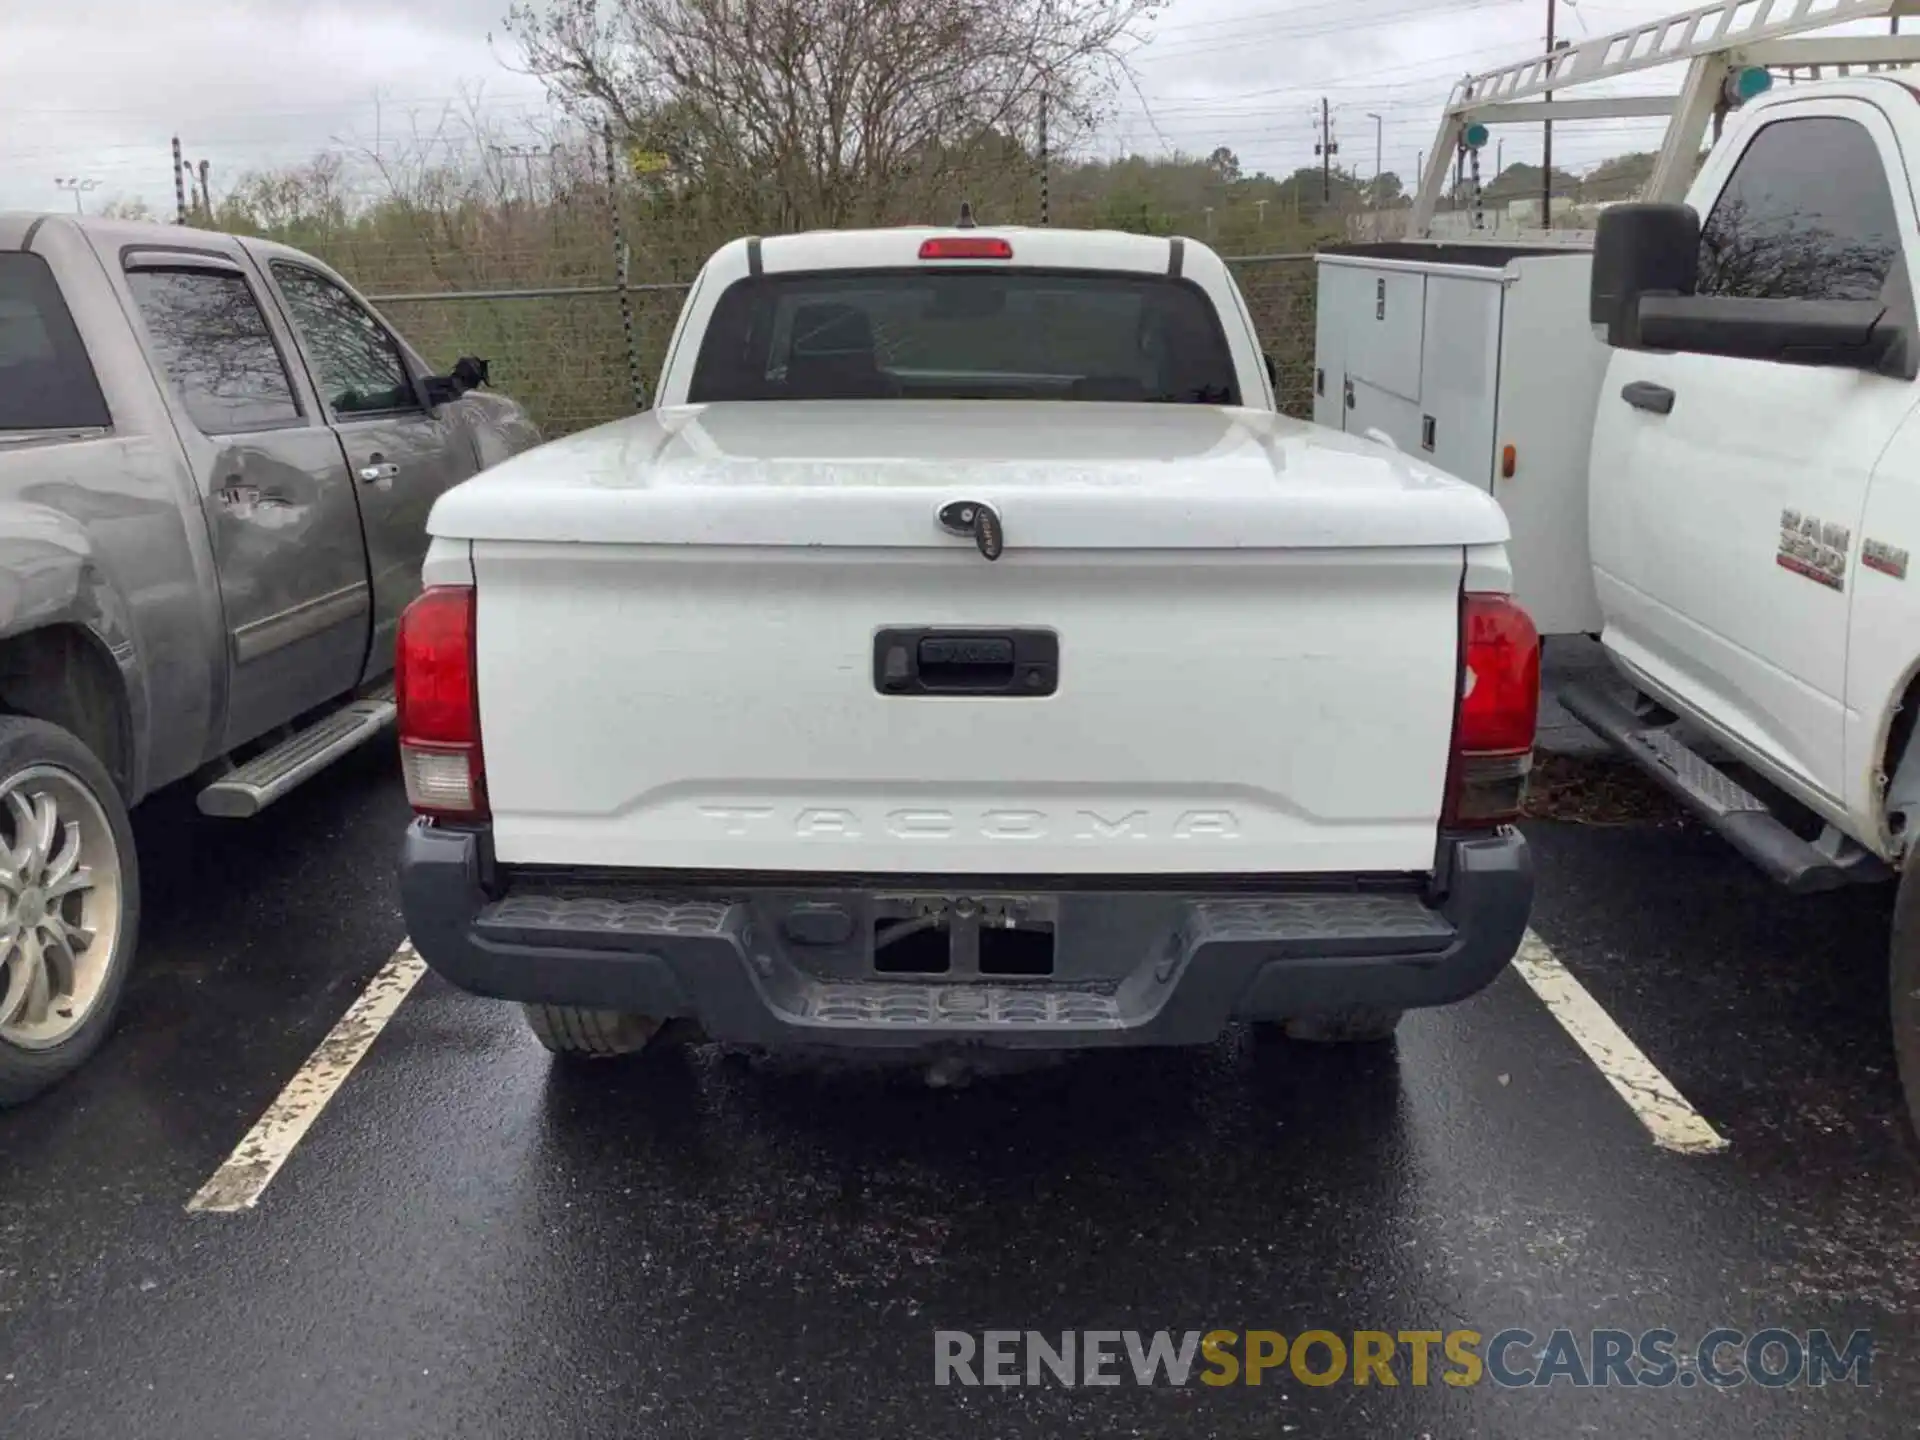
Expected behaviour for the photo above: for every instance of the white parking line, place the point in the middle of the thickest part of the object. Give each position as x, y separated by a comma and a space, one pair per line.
246, 1173
239, 1181
1674, 1124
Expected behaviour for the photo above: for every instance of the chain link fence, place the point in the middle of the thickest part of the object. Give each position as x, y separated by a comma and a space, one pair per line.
562, 350
1279, 290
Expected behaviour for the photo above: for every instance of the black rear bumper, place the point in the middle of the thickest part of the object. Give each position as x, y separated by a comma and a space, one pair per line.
1166, 967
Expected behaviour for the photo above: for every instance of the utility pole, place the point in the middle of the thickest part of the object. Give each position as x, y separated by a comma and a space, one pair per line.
75, 186
621, 258
1379, 127
1326, 150
1261, 206
1546, 133
191, 191
1045, 162
179, 185
206, 196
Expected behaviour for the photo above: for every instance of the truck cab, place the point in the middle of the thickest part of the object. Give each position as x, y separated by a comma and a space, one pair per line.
216, 464
1743, 512
1751, 514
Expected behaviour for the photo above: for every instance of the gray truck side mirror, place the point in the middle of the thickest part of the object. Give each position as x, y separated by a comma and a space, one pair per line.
469, 373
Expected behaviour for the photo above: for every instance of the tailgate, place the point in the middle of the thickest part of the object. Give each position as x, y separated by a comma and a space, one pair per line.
728, 708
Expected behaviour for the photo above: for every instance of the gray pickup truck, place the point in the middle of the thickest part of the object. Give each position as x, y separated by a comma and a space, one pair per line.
216, 462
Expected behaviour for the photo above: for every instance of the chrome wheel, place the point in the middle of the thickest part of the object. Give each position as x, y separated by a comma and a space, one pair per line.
59, 905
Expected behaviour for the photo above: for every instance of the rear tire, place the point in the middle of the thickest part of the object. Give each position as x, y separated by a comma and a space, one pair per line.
69, 905
1904, 984
576, 1033
1360, 1025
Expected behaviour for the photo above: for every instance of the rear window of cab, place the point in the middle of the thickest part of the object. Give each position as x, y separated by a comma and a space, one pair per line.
969, 334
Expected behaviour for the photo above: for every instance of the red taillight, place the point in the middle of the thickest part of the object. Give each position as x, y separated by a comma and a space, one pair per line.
1498, 707
966, 247
439, 704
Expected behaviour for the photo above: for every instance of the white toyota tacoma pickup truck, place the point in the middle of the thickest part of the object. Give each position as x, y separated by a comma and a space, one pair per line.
965, 652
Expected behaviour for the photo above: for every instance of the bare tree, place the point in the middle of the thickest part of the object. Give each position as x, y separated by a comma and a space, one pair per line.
124, 207
303, 199
796, 113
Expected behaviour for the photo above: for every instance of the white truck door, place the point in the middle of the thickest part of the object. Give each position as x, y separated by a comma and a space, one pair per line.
1726, 494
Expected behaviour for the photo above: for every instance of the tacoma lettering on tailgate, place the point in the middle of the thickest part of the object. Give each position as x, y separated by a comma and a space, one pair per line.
931, 823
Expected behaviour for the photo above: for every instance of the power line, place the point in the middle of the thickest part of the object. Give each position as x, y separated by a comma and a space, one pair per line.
1237, 40
367, 102
1346, 8
1344, 80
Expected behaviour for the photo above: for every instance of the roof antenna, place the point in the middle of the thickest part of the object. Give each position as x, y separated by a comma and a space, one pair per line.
966, 216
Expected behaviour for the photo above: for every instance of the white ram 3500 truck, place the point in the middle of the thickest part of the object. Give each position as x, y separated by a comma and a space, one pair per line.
964, 651
1704, 427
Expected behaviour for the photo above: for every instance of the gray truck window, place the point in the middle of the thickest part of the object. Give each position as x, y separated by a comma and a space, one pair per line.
46, 380
361, 371
1806, 215
213, 342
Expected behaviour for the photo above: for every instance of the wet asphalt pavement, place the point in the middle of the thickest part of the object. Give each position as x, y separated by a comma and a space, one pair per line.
472, 1242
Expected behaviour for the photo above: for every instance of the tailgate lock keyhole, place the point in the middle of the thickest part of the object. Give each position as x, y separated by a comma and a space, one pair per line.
978, 521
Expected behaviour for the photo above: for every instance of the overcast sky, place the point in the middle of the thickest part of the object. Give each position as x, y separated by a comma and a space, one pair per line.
94, 88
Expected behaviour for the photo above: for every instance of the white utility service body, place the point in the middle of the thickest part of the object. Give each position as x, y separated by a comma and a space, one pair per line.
1478, 359
1738, 522
965, 586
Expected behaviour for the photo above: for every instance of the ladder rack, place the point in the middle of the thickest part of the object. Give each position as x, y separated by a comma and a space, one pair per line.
1712, 39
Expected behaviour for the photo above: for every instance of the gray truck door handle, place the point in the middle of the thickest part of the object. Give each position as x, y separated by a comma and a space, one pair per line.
1645, 395
380, 472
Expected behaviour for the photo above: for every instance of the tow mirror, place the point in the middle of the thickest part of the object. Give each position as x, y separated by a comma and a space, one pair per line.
1640, 249
1643, 296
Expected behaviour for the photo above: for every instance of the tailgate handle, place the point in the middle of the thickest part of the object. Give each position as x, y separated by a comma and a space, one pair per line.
966, 662
972, 662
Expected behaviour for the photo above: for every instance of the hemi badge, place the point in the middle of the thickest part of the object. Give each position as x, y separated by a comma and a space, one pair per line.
1878, 555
